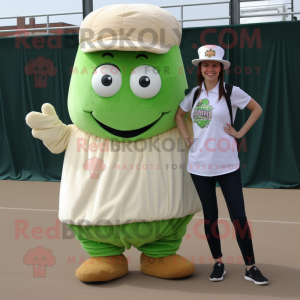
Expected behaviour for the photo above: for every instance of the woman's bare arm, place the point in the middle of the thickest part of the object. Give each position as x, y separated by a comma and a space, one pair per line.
256, 112
181, 125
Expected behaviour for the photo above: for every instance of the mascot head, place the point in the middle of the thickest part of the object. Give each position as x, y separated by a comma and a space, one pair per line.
129, 77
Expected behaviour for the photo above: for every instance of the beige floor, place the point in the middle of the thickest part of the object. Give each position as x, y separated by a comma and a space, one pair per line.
274, 215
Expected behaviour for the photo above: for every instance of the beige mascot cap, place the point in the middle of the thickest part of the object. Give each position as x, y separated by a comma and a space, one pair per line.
129, 27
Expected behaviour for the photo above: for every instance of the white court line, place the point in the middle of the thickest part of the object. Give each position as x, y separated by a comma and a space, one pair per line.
258, 221
27, 209
193, 217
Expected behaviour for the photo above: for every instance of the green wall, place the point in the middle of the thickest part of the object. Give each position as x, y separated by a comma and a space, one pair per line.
265, 60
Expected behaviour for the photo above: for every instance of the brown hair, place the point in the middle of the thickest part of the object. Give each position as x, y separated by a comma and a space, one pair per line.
200, 80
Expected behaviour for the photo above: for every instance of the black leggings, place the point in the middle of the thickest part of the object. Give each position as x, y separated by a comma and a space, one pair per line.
231, 186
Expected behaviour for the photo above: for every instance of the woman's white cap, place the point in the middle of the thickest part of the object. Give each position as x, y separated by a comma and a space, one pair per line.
211, 52
129, 27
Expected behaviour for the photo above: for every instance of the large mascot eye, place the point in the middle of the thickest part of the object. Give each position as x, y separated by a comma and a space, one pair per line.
145, 81
106, 80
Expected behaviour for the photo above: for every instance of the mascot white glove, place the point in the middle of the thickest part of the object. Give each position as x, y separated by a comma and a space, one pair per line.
47, 127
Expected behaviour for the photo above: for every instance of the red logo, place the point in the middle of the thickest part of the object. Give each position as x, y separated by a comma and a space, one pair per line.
39, 258
94, 165
41, 68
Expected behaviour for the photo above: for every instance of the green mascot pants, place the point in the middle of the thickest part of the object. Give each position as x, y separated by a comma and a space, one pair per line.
155, 239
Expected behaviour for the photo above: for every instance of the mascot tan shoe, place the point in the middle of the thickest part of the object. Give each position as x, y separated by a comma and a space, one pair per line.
169, 267
103, 268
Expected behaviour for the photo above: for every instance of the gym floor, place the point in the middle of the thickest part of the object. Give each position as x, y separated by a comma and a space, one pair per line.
29, 216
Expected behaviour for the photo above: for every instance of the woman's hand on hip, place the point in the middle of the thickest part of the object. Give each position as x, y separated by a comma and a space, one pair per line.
231, 131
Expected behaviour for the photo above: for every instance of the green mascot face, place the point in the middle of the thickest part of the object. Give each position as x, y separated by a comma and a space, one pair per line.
126, 95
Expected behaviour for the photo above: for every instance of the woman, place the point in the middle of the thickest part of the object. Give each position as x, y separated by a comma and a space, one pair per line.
213, 155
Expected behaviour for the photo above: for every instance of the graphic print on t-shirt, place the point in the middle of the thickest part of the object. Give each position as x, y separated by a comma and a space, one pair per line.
203, 113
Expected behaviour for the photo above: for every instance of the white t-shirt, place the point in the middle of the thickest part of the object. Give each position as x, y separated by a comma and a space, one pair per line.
213, 152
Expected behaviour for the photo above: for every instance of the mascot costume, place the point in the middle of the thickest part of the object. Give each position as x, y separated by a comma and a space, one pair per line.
124, 180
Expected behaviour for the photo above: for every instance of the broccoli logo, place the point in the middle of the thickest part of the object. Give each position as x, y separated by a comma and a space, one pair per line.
203, 113
94, 165
39, 258
41, 68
